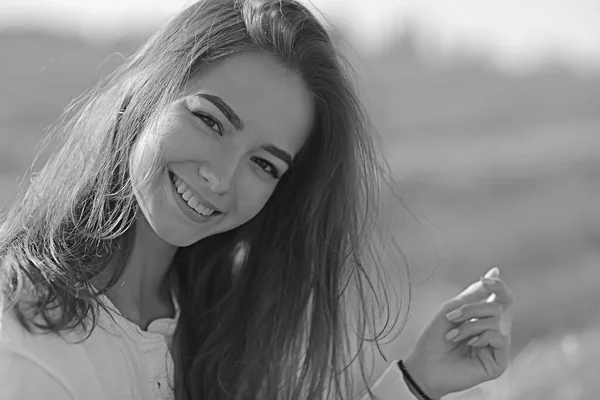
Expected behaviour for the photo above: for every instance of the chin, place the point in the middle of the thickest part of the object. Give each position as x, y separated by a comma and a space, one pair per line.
178, 241
174, 234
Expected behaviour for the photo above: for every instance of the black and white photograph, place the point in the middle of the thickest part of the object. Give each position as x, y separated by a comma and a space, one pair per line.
299, 199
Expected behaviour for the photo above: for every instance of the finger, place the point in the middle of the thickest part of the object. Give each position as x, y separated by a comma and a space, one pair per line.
473, 328
498, 287
497, 356
491, 338
494, 272
475, 310
476, 292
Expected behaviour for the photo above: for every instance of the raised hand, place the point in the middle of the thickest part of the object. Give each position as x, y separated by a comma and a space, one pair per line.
467, 342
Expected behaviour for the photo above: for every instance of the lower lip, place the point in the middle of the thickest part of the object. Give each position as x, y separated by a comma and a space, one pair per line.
185, 208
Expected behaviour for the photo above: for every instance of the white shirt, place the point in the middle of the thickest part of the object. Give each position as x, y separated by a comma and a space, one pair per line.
118, 361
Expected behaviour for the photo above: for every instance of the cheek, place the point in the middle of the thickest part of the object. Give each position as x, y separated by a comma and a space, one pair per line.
251, 197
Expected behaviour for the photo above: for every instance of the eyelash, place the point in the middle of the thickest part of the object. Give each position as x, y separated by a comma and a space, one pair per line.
205, 117
274, 172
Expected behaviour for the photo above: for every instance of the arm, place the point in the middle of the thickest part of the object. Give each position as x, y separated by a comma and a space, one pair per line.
24, 379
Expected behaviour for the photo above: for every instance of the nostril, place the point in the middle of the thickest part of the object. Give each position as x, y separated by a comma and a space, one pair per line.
214, 182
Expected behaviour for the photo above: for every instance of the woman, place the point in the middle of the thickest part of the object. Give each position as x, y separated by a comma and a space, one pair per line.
202, 228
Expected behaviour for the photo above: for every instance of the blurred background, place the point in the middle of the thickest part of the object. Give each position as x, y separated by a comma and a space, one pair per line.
486, 110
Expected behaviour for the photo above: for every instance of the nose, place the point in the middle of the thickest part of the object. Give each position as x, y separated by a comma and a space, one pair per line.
218, 183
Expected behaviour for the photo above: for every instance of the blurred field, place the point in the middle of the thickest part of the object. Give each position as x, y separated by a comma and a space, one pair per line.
502, 170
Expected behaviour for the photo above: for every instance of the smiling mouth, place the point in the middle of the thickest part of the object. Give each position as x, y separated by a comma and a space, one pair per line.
190, 198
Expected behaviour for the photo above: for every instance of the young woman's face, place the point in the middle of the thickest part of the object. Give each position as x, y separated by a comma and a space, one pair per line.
226, 142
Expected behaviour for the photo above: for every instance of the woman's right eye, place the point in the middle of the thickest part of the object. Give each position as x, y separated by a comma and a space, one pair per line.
211, 122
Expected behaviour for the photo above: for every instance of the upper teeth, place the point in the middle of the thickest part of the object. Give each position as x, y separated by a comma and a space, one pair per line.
190, 198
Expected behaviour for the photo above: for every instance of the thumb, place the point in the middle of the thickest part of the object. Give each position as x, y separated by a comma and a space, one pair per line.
475, 292
494, 272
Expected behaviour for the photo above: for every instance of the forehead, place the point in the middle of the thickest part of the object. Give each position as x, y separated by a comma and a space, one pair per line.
273, 102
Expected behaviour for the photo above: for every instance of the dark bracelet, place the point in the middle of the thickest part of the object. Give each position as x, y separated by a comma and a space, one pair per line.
412, 382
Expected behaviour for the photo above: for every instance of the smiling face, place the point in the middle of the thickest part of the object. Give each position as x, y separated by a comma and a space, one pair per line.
226, 142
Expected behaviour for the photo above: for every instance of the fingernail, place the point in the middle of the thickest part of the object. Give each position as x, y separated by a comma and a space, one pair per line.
453, 315
452, 334
488, 281
492, 273
472, 340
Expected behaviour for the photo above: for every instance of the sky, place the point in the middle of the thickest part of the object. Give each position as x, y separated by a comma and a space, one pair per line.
512, 33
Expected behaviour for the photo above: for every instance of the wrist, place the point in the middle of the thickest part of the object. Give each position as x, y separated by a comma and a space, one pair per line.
412, 389
418, 375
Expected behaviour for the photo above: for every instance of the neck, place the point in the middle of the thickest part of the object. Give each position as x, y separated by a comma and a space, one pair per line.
143, 292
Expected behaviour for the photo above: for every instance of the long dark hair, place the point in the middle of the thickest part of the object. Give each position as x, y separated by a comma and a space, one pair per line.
264, 307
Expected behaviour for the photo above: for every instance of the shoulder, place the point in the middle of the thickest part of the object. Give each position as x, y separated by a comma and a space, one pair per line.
23, 378
59, 362
26, 359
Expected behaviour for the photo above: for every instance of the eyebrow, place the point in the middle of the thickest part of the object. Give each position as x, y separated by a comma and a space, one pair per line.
227, 111
279, 153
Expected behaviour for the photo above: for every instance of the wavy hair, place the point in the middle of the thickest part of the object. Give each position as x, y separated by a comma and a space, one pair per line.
278, 308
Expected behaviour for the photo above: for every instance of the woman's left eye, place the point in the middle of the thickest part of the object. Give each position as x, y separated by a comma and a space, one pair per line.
267, 167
